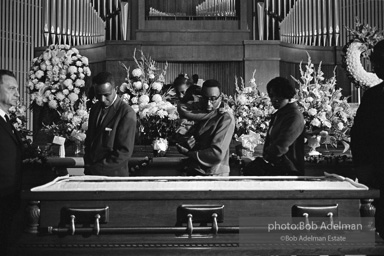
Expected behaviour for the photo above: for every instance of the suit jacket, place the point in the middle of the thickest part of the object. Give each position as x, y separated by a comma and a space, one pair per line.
213, 137
284, 144
109, 146
367, 138
367, 133
11, 149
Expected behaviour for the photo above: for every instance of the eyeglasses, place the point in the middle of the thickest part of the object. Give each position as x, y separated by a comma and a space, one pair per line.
211, 99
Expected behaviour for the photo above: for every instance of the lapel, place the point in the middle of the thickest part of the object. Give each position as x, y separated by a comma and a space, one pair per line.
281, 113
5, 125
107, 119
273, 117
94, 114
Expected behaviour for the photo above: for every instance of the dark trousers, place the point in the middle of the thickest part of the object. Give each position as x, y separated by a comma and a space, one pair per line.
372, 175
9, 206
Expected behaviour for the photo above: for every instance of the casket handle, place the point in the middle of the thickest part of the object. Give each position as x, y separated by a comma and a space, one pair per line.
201, 213
215, 227
306, 216
330, 215
97, 224
315, 211
72, 224
189, 225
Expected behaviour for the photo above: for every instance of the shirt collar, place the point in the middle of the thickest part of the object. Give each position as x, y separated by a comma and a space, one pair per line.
2, 114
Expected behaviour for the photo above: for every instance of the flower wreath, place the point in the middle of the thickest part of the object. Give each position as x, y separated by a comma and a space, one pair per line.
364, 39
57, 77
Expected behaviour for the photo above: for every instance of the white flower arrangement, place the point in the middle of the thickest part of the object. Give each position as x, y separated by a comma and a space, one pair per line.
325, 111
252, 109
143, 89
145, 80
158, 119
56, 77
364, 39
18, 118
73, 122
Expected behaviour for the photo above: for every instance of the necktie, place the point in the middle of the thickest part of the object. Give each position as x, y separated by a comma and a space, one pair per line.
9, 122
102, 114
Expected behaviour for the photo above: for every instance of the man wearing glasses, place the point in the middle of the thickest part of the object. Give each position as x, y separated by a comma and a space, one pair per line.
207, 143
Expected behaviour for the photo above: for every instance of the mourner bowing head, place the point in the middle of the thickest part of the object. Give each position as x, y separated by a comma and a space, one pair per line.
283, 152
207, 143
111, 131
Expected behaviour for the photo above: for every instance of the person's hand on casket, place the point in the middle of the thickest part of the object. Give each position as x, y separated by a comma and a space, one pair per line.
182, 149
187, 145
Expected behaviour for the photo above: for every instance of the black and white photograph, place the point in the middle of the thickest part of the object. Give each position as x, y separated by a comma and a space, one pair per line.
191, 127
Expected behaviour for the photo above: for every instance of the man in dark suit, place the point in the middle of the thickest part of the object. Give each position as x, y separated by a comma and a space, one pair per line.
208, 141
367, 136
111, 131
10, 157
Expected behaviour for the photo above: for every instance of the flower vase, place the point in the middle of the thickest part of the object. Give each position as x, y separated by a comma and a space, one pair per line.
79, 148
160, 147
313, 143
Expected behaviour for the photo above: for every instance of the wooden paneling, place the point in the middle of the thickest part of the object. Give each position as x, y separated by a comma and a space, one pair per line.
224, 72
330, 57
192, 36
177, 51
289, 69
175, 25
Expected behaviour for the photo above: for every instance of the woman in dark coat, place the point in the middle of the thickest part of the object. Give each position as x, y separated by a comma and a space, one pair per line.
283, 152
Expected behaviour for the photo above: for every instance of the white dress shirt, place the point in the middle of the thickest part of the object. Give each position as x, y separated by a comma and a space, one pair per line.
3, 114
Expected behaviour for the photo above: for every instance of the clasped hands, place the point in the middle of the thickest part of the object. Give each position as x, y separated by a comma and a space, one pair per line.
190, 143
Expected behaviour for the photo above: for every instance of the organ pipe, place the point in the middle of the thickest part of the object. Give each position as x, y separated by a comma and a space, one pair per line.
323, 22
77, 22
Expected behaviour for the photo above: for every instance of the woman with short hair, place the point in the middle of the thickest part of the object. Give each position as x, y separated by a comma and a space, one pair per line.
283, 152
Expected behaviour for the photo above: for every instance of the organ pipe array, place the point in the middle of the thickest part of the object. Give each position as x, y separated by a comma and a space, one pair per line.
74, 22
216, 8
267, 16
192, 8
20, 33
79, 22
323, 22
314, 22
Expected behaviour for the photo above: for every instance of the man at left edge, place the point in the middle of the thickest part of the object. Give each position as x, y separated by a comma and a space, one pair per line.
11, 150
